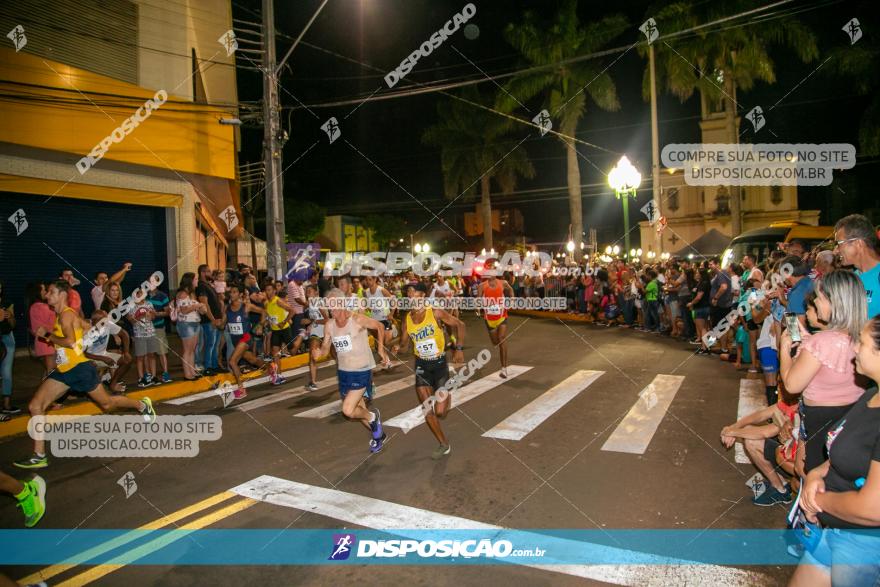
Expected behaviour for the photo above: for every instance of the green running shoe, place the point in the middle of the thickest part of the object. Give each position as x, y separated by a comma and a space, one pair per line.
33, 505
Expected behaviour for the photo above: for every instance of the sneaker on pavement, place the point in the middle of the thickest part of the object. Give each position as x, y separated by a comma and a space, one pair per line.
312, 386
34, 461
376, 425
143, 382
504, 372
166, 377
441, 451
278, 380
33, 505
772, 496
376, 444
148, 412
11, 411
239, 393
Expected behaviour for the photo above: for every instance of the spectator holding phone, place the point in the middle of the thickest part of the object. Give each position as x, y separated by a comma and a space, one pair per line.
843, 494
822, 369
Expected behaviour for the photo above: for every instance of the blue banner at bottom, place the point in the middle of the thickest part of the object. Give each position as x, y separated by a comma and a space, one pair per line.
397, 547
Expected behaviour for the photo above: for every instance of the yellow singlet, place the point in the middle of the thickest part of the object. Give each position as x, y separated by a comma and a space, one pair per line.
427, 336
277, 315
65, 358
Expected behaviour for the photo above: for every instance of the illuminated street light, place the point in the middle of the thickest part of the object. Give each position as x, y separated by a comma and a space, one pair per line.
426, 248
570, 246
615, 250
608, 250
625, 180
632, 252
639, 252
418, 248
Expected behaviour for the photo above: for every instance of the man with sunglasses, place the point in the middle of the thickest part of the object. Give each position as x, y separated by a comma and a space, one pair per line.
856, 243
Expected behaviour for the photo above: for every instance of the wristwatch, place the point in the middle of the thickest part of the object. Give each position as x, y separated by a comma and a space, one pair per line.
458, 347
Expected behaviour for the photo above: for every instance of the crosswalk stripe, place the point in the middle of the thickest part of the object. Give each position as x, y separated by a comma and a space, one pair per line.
516, 426
335, 406
461, 396
751, 399
400, 520
635, 431
289, 394
247, 383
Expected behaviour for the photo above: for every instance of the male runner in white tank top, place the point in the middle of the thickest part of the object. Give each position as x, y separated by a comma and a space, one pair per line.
346, 331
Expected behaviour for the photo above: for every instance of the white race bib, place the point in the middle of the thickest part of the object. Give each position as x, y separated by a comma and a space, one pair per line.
342, 344
427, 349
60, 357
236, 328
494, 310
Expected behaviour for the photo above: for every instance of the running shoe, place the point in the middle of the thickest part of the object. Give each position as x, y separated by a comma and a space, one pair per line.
772, 496
105, 378
312, 386
239, 393
441, 451
376, 444
34, 461
504, 372
143, 382
33, 505
148, 412
11, 411
279, 380
166, 377
376, 425
703, 352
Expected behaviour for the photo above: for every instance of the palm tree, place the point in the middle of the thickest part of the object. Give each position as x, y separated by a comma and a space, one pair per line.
474, 149
564, 87
718, 62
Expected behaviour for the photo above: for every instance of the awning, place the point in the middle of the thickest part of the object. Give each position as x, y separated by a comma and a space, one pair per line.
710, 244
51, 187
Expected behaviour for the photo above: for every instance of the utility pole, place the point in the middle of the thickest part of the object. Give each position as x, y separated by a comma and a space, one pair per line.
655, 152
272, 146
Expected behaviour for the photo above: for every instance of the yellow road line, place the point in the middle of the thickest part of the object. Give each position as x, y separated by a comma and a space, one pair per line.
99, 571
51, 571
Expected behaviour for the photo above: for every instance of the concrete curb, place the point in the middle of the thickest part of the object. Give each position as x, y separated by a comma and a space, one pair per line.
167, 391
564, 316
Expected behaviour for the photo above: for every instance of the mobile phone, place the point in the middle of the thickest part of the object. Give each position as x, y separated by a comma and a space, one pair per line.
791, 322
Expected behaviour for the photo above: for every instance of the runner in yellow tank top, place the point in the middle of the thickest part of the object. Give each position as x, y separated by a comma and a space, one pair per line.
278, 315
432, 371
74, 372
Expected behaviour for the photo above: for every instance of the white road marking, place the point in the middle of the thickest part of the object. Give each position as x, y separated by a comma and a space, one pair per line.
516, 426
335, 406
751, 399
289, 394
400, 519
463, 395
635, 431
249, 383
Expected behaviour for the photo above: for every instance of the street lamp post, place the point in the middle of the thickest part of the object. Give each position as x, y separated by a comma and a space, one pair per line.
625, 180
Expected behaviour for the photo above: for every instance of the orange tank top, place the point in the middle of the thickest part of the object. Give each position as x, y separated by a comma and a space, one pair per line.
494, 300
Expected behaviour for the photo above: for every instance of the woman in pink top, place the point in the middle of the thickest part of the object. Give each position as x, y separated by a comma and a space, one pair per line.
40, 314
822, 369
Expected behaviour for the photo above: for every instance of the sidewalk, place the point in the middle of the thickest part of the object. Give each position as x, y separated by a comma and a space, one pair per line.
28, 373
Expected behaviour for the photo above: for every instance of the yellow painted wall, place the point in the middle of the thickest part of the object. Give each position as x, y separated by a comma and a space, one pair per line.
179, 135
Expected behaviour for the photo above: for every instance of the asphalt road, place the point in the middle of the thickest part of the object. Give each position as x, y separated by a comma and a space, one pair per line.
556, 476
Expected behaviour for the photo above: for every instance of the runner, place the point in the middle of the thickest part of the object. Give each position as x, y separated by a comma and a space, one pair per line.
278, 314
379, 303
346, 331
238, 326
432, 371
491, 291
317, 318
73, 371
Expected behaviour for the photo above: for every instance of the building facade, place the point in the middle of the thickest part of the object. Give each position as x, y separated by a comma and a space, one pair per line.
111, 142
692, 211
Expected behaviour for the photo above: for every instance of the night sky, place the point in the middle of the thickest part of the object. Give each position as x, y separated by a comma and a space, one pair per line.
380, 33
